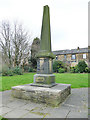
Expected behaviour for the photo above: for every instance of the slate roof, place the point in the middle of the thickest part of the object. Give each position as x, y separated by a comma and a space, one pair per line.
72, 51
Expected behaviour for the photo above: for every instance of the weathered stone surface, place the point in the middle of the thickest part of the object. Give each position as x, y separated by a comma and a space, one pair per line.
45, 43
44, 78
45, 56
44, 66
44, 89
51, 96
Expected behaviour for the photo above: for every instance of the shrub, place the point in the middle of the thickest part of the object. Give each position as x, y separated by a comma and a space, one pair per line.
58, 64
26, 68
76, 69
10, 72
4, 72
81, 66
72, 69
61, 70
86, 70
30, 70
7, 72
17, 70
34, 70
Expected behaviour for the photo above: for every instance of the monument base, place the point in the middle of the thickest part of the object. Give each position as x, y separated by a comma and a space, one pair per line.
52, 96
43, 85
47, 79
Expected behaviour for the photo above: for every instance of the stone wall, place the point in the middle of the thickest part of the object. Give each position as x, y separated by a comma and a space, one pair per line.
69, 60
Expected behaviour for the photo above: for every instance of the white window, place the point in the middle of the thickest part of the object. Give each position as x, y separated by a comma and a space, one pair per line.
73, 57
56, 57
84, 56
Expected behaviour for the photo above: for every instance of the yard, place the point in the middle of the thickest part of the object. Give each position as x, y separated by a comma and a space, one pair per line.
76, 80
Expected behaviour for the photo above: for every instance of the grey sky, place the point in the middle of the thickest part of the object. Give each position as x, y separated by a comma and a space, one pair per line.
69, 19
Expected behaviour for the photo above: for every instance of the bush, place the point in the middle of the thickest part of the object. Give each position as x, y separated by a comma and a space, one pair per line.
58, 64
17, 70
4, 72
26, 68
7, 72
10, 72
72, 69
34, 70
81, 66
86, 70
30, 70
76, 69
61, 70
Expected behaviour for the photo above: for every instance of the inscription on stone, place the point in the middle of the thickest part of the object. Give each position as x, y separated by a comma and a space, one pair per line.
39, 79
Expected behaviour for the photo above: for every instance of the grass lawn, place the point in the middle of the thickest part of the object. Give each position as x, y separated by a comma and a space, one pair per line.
76, 80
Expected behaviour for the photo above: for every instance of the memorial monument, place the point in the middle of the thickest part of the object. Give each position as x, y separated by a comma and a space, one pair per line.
44, 76
44, 89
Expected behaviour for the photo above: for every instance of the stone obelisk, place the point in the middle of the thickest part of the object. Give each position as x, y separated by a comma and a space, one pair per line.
44, 76
44, 89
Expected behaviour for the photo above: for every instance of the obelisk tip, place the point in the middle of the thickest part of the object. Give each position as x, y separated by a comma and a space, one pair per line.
46, 6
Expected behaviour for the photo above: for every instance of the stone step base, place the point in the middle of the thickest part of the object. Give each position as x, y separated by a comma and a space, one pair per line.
43, 85
52, 96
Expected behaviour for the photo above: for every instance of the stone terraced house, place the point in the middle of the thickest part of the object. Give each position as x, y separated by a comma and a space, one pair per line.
73, 56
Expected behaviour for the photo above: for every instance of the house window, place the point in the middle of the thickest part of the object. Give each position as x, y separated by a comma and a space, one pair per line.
73, 57
84, 56
56, 57
65, 56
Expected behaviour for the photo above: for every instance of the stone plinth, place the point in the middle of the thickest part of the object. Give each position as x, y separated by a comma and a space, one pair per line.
44, 65
51, 96
44, 79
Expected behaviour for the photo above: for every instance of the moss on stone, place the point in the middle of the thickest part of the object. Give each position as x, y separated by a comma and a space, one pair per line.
45, 54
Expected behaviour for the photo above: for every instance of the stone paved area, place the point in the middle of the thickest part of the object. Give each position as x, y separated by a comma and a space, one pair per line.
75, 106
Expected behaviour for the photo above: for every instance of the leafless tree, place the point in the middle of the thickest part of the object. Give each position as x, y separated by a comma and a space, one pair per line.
14, 41
21, 45
5, 42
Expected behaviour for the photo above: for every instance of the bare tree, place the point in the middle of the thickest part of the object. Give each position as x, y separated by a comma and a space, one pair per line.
21, 45
14, 42
5, 42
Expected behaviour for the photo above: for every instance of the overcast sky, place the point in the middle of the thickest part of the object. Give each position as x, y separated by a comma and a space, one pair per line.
69, 19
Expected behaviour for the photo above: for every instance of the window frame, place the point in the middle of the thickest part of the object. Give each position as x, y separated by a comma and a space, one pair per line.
73, 58
56, 57
84, 57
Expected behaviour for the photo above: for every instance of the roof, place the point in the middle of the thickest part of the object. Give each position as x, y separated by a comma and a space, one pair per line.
72, 51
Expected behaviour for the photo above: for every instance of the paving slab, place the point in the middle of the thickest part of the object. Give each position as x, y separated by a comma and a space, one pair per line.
17, 113
5, 110
75, 106
79, 97
16, 104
